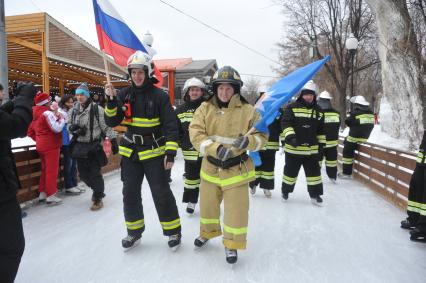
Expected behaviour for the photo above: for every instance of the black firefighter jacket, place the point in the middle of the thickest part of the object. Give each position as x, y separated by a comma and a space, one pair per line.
151, 127
306, 124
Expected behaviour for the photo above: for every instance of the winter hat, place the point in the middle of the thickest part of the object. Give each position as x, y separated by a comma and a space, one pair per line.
83, 89
41, 98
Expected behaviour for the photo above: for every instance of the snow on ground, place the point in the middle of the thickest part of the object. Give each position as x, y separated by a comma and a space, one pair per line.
355, 237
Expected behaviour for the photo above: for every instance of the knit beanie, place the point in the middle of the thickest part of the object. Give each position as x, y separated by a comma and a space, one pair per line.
83, 89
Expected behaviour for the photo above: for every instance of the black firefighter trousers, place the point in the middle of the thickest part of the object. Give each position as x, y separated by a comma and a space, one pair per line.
348, 156
416, 208
12, 241
330, 156
265, 172
192, 180
310, 163
132, 173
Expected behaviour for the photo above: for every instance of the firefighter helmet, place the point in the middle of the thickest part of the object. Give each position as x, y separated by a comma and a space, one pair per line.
229, 75
325, 95
359, 99
141, 60
310, 86
192, 82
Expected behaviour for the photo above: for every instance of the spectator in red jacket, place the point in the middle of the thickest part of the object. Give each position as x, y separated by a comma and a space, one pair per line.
46, 131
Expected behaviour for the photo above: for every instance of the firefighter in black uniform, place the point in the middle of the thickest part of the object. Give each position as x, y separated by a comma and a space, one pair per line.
360, 123
193, 92
331, 130
416, 207
303, 131
147, 148
265, 172
15, 117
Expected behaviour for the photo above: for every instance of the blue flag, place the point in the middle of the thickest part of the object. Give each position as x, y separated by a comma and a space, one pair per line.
280, 93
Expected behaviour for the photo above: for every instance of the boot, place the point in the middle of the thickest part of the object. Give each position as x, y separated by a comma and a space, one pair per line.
405, 224
96, 205
130, 242
174, 241
231, 256
267, 193
190, 208
200, 241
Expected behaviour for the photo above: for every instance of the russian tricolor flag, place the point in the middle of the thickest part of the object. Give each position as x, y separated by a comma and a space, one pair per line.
116, 38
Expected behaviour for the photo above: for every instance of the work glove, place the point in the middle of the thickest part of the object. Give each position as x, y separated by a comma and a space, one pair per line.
114, 146
223, 153
241, 142
292, 141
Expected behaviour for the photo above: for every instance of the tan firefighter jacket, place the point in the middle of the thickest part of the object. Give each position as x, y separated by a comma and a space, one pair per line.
212, 127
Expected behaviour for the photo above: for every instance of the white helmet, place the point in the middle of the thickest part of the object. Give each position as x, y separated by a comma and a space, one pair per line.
141, 60
310, 85
192, 82
359, 99
325, 95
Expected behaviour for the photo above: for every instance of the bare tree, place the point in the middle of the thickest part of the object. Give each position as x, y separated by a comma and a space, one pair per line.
402, 65
321, 27
251, 89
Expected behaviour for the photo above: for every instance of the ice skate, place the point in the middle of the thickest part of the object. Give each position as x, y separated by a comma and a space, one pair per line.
284, 197
317, 201
53, 200
252, 189
200, 242
344, 176
129, 242
72, 191
190, 208
267, 193
231, 256
405, 224
417, 236
174, 242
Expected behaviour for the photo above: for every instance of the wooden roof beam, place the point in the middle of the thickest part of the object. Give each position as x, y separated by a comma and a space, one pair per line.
25, 43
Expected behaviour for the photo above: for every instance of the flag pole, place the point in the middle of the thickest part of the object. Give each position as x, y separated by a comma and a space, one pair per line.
106, 67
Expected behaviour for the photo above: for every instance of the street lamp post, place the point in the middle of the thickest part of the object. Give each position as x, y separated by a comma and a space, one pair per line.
352, 45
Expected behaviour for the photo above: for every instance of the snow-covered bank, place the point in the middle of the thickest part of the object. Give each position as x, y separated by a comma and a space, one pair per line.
355, 237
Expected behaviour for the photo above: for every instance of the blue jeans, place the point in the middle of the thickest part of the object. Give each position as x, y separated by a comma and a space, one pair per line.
70, 168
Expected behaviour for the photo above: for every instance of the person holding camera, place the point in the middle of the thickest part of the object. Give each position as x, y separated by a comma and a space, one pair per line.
87, 125
15, 117
46, 131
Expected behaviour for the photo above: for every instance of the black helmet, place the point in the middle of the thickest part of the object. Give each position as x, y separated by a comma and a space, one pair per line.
229, 75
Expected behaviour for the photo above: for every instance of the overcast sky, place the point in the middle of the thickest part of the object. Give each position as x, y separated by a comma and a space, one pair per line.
258, 24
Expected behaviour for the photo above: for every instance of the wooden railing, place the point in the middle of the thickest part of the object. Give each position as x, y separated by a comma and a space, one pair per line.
28, 165
385, 170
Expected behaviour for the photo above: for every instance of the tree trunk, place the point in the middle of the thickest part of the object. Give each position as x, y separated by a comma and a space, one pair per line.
401, 73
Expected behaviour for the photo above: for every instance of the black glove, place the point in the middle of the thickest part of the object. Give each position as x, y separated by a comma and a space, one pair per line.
114, 146
77, 130
27, 90
292, 141
241, 142
224, 153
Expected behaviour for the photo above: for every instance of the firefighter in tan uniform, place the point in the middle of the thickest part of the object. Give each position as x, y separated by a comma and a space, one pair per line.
216, 131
